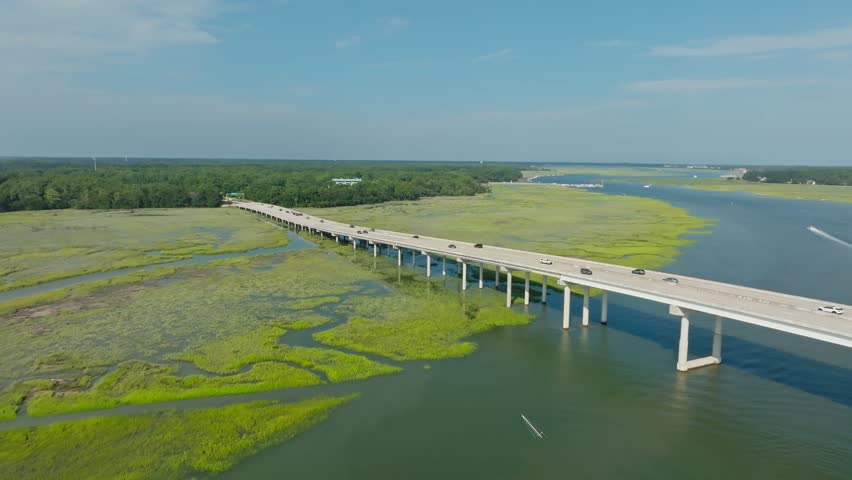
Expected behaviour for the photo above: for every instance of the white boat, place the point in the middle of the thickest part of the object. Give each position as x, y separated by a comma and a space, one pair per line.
647, 186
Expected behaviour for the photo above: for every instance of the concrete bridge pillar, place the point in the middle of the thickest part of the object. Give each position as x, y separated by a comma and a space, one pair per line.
413, 259
566, 308
336, 239
544, 289
444, 266
496, 276
354, 243
508, 289
375, 250
717, 340
585, 306
464, 275
526, 288
428, 265
480, 275
399, 257
684, 364
604, 305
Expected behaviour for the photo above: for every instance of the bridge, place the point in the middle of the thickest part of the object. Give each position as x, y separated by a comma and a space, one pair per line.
778, 311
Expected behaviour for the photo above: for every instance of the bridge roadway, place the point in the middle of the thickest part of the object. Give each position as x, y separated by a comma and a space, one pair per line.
788, 313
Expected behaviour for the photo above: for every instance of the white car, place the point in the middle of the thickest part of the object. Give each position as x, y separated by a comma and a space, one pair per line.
545, 261
831, 309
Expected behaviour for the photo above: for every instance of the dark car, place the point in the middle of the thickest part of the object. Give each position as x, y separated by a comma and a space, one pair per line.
280, 209
351, 226
477, 245
415, 236
372, 229
322, 221
670, 280
451, 246
639, 271
585, 271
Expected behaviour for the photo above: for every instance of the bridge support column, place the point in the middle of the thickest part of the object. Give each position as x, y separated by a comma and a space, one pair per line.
428, 265
566, 308
717, 340
464, 275
413, 259
585, 306
375, 250
544, 289
496, 276
354, 243
399, 257
508, 289
336, 239
444, 266
526, 288
604, 303
684, 364
480, 275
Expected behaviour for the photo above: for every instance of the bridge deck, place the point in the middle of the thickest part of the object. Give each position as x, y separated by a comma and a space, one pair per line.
790, 313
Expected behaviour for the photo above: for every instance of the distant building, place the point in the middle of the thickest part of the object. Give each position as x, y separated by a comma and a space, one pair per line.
729, 177
810, 182
346, 181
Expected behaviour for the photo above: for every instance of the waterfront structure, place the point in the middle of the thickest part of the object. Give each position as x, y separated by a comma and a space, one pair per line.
346, 181
685, 296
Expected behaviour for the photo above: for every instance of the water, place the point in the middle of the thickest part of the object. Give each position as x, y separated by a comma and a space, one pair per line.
609, 398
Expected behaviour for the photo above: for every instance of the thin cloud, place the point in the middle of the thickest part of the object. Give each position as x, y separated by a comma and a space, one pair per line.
348, 42
612, 44
394, 24
504, 54
758, 44
687, 85
65, 29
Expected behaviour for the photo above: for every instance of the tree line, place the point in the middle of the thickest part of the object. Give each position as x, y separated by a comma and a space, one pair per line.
35, 184
819, 175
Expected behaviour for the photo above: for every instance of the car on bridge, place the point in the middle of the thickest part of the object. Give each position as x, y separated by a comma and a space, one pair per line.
638, 271
671, 280
415, 236
545, 261
585, 271
451, 246
831, 309
477, 245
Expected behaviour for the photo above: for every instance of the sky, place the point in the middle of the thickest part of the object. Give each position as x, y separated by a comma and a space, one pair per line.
730, 82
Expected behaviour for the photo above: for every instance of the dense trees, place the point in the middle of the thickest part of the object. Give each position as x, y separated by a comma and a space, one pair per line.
49, 184
820, 175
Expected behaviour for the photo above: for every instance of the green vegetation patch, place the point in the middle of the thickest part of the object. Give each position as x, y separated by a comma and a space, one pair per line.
153, 317
166, 444
37, 247
411, 327
312, 303
230, 354
630, 231
829, 193
139, 383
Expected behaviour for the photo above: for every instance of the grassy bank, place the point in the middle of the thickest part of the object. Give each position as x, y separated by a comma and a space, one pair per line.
167, 444
828, 193
37, 247
550, 219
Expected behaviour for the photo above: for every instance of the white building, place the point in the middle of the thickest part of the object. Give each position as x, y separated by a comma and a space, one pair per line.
346, 181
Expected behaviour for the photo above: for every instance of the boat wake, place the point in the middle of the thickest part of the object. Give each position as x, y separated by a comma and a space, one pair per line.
822, 234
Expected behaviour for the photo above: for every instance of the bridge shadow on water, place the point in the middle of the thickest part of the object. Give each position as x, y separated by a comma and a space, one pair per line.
793, 370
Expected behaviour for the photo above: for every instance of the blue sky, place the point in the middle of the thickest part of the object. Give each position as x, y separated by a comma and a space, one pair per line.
619, 81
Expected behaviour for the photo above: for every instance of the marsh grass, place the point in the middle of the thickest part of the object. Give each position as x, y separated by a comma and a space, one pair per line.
165, 444
37, 247
830, 193
550, 219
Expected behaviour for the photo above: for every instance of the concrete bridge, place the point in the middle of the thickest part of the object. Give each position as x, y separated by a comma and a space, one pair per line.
787, 313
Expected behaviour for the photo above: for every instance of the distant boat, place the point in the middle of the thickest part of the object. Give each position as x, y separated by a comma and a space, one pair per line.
647, 186
538, 433
827, 236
